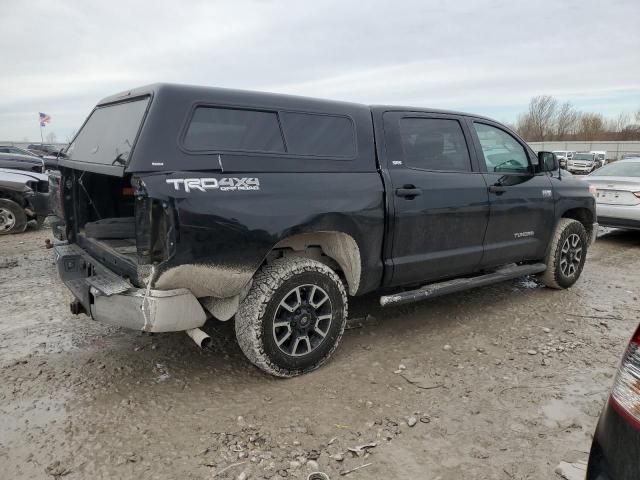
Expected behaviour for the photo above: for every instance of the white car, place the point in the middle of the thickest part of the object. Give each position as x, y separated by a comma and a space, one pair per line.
618, 194
601, 157
582, 162
563, 156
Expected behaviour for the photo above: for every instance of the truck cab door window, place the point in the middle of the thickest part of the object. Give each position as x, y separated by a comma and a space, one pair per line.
434, 144
502, 153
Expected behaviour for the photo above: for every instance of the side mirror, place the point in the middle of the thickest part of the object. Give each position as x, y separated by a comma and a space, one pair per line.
547, 162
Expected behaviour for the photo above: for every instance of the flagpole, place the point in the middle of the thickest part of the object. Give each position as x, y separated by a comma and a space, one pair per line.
41, 137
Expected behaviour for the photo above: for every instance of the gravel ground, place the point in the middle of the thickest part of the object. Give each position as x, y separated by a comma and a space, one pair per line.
502, 382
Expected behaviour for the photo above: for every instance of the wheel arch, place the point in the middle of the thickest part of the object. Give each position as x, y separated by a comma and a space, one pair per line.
340, 247
583, 215
14, 196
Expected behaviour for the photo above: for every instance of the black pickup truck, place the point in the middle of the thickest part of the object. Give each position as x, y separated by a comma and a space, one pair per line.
184, 203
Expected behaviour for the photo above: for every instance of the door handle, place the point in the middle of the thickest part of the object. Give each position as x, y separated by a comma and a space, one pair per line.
497, 189
408, 191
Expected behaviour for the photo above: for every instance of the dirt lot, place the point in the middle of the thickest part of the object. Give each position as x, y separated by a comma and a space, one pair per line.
503, 382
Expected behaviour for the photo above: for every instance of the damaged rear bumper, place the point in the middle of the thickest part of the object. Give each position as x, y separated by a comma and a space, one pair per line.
110, 299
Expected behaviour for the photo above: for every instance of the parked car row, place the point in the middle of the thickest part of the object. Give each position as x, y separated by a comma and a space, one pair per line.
43, 149
34, 149
17, 150
581, 162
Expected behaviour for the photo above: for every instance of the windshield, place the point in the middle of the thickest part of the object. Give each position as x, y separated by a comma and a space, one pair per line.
583, 156
107, 136
618, 169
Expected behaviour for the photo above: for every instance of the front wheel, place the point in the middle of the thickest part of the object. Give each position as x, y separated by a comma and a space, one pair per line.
293, 318
566, 254
13, 218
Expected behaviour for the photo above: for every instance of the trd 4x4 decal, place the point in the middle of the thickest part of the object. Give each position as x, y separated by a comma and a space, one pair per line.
223, 184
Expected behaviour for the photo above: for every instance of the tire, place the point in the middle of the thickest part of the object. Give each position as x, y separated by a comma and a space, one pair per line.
13, 218
291, 292
566, 254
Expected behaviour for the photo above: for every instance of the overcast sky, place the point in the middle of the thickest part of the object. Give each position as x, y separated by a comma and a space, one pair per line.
60, 57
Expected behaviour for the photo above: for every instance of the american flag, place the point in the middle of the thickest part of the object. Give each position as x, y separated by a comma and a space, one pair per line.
44, 119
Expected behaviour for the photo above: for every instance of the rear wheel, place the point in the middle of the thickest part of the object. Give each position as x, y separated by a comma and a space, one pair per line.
13, 218
293, 318
566, 254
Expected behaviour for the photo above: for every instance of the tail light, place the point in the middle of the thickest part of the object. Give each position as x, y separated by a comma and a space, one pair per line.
61, 187
637, 194
56, 194
155, 230
625, 396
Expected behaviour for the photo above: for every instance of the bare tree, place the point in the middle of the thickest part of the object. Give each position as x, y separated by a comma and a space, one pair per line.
546, 120
51, 137
622, 121
542, 111
566, 121
524, 127
630, 132
591, 126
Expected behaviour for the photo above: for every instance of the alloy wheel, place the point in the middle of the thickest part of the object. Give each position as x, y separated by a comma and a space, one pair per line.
302, 320
571, 255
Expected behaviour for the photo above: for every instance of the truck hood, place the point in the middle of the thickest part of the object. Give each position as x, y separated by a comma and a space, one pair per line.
21, 162
18, 179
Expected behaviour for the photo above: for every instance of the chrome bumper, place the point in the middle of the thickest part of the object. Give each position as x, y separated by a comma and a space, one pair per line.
580, 168
623, 212
110, 299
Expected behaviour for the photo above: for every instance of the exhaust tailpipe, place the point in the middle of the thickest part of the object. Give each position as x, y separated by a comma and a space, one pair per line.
202, 339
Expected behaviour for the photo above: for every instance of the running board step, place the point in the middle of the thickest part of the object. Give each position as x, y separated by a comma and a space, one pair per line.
456, 285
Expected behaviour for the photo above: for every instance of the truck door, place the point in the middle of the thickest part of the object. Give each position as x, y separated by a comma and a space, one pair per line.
439, 201
521, 218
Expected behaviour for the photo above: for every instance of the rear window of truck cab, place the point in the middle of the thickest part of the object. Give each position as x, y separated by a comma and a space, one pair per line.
223, 129
108, 135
